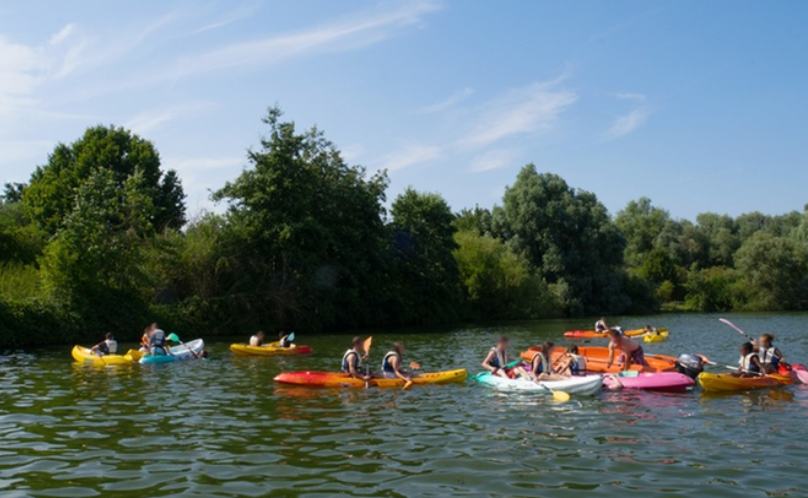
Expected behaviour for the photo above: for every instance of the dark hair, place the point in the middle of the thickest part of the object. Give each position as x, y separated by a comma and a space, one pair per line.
356, 340
572, 349
281, 333
108, 335
397, 346
502, 338
548, 346
747, 347
260, 332
769, 338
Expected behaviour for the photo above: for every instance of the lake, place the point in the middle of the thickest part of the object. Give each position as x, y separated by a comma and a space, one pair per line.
221, 428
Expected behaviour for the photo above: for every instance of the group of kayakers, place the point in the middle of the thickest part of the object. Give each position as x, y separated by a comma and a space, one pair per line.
760, 356
153, 341
392, 365
285, 339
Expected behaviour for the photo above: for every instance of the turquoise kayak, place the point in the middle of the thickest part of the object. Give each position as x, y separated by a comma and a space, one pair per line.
188, 351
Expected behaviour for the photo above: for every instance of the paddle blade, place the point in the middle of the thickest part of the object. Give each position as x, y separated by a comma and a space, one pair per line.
291, 337
561, 396
733, 327
367, 344
407, 385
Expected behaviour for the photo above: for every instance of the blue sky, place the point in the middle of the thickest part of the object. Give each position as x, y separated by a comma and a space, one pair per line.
699, 105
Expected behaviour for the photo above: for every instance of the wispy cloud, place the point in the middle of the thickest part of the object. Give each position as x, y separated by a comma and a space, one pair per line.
358, 31
62, 35
410, 156
233, 16
525, 110
150, 120
493, 159
447, 103
628, 123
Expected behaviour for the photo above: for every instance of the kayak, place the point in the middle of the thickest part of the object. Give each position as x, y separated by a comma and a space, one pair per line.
597, 359
662, 336
85, 355
582, 385
188, 351
726, 382
272, 349
339, 379
651, 381
800, 372
591, 334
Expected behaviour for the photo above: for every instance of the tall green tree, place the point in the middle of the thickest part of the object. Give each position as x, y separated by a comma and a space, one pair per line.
427, 286
775, 272
306, 230
50, 195
568, 236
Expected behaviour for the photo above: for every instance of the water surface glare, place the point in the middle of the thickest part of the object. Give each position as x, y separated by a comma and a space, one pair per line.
221, 428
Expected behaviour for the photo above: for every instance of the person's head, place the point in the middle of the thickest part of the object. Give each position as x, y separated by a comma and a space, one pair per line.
602, 319
547, 346
282, 334
502, 342
615, 333
398, 347
108, 336
153, 326
260, 334
766, 340
356, 342
572, 349
747, 348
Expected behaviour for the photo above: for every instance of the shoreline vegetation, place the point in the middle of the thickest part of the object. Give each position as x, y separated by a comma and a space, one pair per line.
98, 240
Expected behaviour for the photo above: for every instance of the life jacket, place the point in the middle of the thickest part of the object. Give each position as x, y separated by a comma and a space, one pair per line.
542, 364
386, 366
746, 365
344, 367
499, 360
768, 356
111, 345
578, 364
284, 341
157, 341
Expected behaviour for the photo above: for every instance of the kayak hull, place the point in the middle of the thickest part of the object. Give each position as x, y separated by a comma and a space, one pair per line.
339, 379
189, 351
725, 382
585, 385
652, 338
597, 360
650, 381
591, 334
800, 373
272, 349
84, 355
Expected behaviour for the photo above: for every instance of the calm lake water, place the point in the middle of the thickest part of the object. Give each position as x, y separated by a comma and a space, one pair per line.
221, 428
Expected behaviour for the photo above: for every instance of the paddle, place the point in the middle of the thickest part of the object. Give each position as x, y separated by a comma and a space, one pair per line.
174, 337
560, 396
366, 348
291, 337
735, 327
708, 361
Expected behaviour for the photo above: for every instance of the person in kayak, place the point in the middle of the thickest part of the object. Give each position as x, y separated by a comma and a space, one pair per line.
572, 363
749, 364
649, 330
157, 340
352, 360
631, 352
540, 367
496, 361
392, 362
601, 325
257, 339
283, 339
770, 357
108, 346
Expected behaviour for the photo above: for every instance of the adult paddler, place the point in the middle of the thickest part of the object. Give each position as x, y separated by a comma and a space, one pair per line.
632, 352
352, 360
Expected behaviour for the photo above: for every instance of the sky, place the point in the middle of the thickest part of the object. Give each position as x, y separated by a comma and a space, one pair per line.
700, 106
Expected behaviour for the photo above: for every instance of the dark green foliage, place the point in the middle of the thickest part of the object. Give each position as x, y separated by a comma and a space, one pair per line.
50, 195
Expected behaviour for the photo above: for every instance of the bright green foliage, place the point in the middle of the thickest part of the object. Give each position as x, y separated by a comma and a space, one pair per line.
498, 282
645, 228
50, 196
426, 283
477, 220
20, 241
712, 289
774, 271
568, 237
98, 247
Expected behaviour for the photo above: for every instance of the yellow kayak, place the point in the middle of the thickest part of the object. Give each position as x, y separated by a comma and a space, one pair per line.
271, 349
726, 382
660, 336
85, 355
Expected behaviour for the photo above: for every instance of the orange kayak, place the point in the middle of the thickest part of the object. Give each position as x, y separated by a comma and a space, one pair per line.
597, 358
339, 379
591, 334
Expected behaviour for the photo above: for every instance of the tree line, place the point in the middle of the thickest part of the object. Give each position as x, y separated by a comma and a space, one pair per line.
98, 240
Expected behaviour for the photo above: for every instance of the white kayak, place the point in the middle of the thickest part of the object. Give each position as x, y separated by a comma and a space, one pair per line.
582, 385
188, 351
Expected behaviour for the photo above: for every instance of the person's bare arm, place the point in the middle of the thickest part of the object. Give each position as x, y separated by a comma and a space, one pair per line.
486, 364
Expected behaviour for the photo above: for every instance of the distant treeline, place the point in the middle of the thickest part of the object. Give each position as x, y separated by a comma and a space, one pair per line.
98, 240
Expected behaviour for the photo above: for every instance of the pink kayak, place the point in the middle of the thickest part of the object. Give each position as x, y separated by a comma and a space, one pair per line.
800, 372
652, 381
